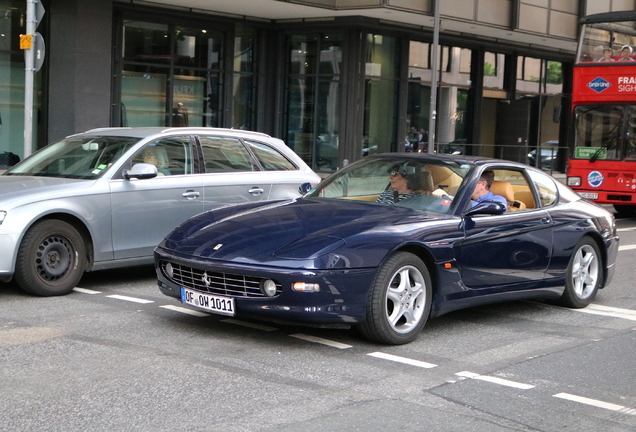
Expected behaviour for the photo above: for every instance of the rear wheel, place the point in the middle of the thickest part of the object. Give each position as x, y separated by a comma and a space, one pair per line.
51, 259
584, 275
399, 302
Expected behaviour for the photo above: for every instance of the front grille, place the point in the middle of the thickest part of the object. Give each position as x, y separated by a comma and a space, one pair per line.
217, 283
619, 197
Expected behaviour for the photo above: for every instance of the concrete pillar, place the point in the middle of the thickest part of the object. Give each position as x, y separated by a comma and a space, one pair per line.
79, 51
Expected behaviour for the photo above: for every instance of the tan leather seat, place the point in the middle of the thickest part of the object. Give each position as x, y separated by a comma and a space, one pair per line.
504, 189
525, 197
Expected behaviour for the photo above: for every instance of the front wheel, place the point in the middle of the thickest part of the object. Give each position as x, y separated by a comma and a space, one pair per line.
583, 276
399, 301
51, 259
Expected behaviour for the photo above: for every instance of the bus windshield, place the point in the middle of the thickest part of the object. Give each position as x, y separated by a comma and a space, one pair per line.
607, 42
605, 132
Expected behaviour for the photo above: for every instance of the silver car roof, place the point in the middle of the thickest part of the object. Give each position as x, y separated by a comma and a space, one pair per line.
144, 132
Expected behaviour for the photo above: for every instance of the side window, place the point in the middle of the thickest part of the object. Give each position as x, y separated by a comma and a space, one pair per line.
223, 154
270, 158
171, 156
546, 187
513, 186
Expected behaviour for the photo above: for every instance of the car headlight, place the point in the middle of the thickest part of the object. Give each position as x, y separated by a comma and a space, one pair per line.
574, 181
3, 214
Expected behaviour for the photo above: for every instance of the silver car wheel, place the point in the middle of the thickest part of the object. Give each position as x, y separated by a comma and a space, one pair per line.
399, 300
585, 272
405, 299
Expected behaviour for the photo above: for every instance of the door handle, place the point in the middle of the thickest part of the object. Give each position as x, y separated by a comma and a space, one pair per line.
256, 191
191, 194
546, 220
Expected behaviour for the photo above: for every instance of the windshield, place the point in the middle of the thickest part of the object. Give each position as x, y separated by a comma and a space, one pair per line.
605, 132
79, 158
607, 42
423, 184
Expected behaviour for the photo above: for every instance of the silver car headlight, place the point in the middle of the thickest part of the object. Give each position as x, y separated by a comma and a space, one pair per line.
3, 214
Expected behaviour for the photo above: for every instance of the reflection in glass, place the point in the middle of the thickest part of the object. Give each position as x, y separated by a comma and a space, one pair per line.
380, 98
243, 91
313, 99
171, 75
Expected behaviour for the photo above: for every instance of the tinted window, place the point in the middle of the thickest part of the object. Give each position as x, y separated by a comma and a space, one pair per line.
225, 155
270, 158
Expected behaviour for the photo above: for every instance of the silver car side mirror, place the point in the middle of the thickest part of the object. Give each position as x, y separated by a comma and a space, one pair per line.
141, 171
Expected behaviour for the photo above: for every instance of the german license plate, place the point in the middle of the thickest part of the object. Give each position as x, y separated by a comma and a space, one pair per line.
589, 195
208, 302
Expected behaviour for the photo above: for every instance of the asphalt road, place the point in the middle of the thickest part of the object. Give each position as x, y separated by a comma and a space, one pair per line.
117, 355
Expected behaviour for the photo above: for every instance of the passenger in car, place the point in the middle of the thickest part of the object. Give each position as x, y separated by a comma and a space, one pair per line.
150, 156
482, 190
404, 184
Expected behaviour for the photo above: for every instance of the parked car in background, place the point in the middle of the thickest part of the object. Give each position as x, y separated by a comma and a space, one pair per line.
354, 252
549, 151
105, 198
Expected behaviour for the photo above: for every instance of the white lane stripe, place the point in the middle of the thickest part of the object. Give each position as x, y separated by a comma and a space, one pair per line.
625, 229
404, 360
495, 380
321, 341
249, 324
596, 403
86, 291
608, 311
626, 247
130, 299
185, 310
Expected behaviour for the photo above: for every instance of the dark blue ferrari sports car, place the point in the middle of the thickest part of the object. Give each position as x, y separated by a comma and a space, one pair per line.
391, 240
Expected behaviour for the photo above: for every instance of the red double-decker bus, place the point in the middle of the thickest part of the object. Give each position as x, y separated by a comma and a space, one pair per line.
602, 163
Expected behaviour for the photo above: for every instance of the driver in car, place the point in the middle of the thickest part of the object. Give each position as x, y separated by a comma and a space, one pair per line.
482, 190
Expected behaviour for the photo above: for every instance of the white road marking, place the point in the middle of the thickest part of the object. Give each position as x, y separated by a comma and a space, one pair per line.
321, 341
494, 380
185, 310
626, 229
404, 360
626, 247
86, 291
130, 299
249, 324
596, 309
596, 403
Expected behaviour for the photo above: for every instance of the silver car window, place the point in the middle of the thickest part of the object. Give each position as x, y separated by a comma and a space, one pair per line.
81, 158
270, 158
224, 154
171, 155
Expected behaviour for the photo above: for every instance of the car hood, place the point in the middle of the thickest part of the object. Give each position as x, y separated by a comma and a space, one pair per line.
15, 189
313, 232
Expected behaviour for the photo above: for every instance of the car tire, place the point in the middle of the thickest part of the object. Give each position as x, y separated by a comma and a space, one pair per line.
583, 275
399, 302
51, 259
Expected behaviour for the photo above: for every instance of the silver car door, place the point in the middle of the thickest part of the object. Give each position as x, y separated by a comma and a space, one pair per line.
145, 211
232, 176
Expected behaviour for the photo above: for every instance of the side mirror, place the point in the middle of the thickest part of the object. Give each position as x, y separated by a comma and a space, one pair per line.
141, 171
486, 208
304, 188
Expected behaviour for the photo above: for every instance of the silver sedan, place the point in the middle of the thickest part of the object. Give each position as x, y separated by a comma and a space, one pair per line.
105, 198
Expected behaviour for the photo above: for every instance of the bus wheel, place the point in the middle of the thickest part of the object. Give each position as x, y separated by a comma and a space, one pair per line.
626, 210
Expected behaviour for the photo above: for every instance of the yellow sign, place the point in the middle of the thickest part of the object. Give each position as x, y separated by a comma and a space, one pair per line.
26, 41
